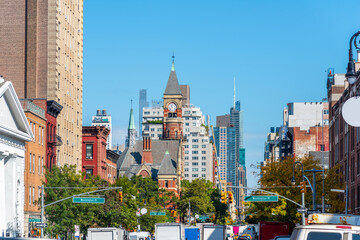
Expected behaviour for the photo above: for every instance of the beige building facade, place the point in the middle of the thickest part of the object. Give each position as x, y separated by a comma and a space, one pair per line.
42, 54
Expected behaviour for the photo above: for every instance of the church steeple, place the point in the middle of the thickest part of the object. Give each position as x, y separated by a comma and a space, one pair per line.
131, 137
172, 86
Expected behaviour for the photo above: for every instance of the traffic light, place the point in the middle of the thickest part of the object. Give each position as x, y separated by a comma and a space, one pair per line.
120, 197
173, 213
231, 198
303, 187
223, 197
36, 232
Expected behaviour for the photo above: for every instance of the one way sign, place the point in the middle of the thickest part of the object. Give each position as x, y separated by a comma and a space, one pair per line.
41, 225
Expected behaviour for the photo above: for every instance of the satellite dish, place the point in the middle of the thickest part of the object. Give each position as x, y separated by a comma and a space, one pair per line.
351, 111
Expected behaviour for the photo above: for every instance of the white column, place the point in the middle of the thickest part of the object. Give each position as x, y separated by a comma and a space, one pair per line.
2, 195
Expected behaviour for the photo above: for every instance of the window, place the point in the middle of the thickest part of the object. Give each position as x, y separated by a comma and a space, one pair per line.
195, 146
203, 146
195, 175
34, 128
89, 151
152, 135
186, 146
29, 195
146, 113
39, 135
195, 158
186, 169
33, 167
195, 152
195, 140
186, 157
186, 163
30, 163
89, 172
33, 195
203, 158
324, 235
39, 170
186, 175
166, 183
194, 124
42, 165
186, 152
203, 164
203, 169
186, 124
195, 164
195, 169
42, 136
39, 193
203, 152
187, 112
203, 175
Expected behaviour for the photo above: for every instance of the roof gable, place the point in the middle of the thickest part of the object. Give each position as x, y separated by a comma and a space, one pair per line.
168, 166
12, 117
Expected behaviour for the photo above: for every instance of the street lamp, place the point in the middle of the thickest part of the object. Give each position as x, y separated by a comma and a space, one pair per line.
293, 181
351, 75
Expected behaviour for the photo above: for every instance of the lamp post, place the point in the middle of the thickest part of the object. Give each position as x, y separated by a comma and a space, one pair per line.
293, 181
314, 171
323, 160
351, 75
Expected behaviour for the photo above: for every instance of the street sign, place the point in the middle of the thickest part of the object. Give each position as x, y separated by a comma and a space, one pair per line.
143, 211
311, 211
302, 210
261, 198
157, 213
41, 225
326, 205
34, 220
88, 200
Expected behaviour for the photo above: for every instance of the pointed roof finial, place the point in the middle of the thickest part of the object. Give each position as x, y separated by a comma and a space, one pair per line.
173, 60
131, 120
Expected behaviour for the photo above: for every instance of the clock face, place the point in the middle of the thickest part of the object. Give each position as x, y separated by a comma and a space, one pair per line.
172, 107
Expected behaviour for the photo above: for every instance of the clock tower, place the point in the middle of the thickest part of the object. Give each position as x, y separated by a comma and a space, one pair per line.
173, 122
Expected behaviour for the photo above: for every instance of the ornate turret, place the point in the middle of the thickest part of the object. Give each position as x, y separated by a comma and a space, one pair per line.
173, 124
131, 138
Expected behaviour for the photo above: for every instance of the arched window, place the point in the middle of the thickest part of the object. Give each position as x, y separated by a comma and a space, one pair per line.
166, 183
170, 115
176, 133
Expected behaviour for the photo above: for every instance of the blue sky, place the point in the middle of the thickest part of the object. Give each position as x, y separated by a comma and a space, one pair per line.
278, 51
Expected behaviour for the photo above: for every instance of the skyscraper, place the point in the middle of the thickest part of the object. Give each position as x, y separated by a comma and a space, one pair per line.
42, 54
142, 103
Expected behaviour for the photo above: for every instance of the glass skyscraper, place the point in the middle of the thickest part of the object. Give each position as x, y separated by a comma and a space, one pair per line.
142, 103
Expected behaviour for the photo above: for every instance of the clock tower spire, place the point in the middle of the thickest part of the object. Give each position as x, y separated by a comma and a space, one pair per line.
173, 122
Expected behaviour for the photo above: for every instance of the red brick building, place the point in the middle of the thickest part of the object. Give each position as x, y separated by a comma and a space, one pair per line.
95, 159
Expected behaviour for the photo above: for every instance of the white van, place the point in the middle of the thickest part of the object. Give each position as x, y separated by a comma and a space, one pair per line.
139, 236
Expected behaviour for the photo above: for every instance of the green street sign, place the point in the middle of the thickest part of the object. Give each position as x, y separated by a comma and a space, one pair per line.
261, 198
34, 220
88, 200
157, 213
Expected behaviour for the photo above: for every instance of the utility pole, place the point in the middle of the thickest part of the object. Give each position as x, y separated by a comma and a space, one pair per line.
314, 171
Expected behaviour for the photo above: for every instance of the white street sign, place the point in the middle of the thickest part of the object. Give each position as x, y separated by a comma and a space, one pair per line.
143, 211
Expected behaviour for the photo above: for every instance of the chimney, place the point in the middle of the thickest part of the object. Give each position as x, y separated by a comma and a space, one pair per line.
104, 112
98, 112
147, 151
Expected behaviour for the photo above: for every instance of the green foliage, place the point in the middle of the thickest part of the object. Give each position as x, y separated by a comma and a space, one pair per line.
155, 121
203, 198
276, 177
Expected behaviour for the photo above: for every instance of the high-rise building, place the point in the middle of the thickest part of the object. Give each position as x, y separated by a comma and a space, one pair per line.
185, 90
229, 141
142, 104
42, 54
102, 119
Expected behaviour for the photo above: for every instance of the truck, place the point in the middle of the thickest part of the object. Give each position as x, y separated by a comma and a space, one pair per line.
192, 233
106, 234
169, 231
269, 230
213, 232
329, 226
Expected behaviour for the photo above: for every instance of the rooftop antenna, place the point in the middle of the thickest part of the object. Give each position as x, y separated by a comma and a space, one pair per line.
234, 93
173, 57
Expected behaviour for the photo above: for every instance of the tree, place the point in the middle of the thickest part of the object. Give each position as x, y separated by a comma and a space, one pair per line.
276, 177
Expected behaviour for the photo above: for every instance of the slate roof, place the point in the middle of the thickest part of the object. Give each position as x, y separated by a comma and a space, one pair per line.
168, 166
172, 86
129, 162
